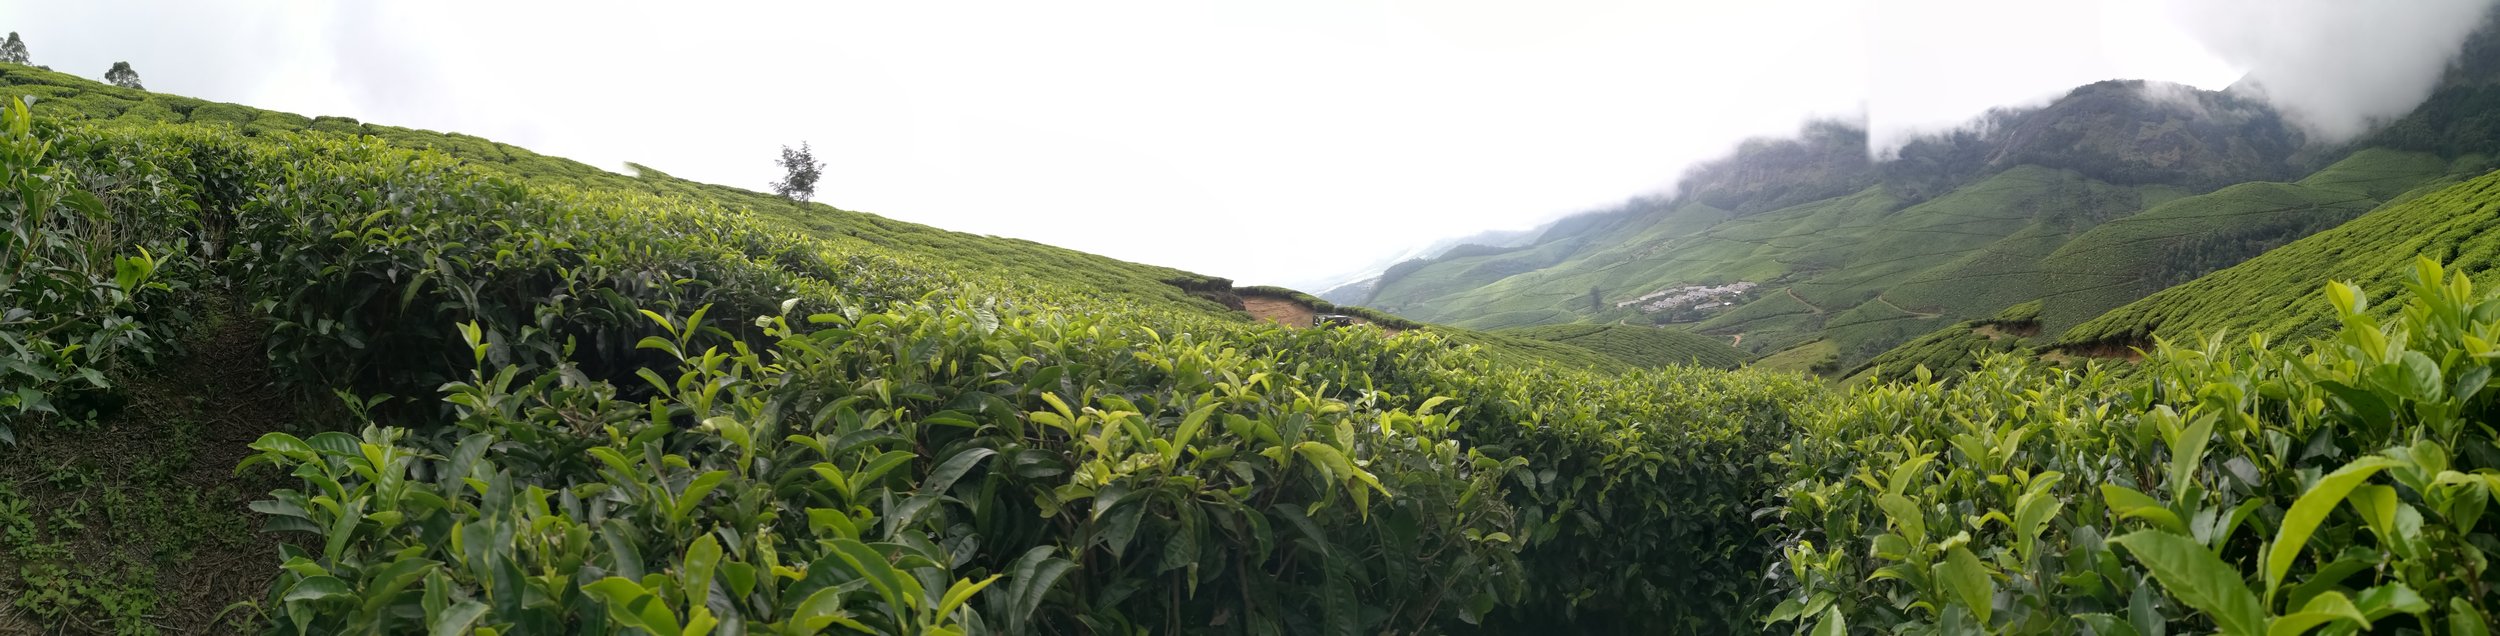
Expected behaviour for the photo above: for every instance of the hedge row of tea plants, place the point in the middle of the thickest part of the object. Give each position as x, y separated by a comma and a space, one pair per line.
2222, 486
77, 282
574, 409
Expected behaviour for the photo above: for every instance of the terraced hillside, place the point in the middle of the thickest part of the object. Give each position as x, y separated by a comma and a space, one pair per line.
2111, 193
939, 255
297, 381
2448, 139
510, 394
2277, 292
73, 97
1645, 347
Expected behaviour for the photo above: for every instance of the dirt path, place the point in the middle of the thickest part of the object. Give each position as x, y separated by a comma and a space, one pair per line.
145, 509
1283, 311
1292, 313
1888, 303
1792, 293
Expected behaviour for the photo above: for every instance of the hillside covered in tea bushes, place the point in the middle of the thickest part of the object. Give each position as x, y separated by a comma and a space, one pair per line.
342, 378
1846, 252
530, 406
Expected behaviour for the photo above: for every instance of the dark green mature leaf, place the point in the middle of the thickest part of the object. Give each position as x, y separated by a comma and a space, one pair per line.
1029, 581
2198, 578
944, 476
457, 620
318, 588
1969, 580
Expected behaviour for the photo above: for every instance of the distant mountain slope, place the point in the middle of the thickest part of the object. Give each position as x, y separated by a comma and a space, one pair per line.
2112, 192
2278, 292
1355, 286
2450, 138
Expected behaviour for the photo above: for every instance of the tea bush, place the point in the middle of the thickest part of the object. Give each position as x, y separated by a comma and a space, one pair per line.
77, 281
655, 414
2253, 489
588, 403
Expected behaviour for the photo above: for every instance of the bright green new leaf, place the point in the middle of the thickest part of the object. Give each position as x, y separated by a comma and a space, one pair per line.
2311, 509
2130, 503
2323, 609
2187, 453
1831, 624
632, 606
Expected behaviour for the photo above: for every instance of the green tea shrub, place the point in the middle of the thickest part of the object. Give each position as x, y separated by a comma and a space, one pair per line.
76, 279
221, 113
605, 453
2249, 489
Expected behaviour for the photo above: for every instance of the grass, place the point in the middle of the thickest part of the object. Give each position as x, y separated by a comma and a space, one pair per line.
1820, 357
140, 526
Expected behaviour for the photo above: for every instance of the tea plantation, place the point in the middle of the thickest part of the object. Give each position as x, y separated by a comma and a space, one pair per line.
498, 393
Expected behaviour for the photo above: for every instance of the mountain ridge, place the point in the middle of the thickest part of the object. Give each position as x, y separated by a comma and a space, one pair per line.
2111, 192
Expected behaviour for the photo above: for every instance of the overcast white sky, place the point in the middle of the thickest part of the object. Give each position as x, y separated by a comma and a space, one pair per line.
1275, 141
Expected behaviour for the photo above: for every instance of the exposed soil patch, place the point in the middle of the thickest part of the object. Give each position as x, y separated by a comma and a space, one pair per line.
2129, 349
1283, 311
1995, 331
1292, 313
142, 521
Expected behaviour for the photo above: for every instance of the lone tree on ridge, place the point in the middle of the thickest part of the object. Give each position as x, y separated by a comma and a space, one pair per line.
13, 51
122, 76
802, 169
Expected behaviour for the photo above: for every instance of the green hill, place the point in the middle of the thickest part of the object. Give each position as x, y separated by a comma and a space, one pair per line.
2114, 192
294, 375
476, 389
1647, 347
2277, 292
1010, 259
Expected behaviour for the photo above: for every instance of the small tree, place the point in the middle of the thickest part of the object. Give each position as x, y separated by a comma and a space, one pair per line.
801, 169
122, 76
13, 51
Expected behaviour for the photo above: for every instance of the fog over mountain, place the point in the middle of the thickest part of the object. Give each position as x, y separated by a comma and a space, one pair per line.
2335, 67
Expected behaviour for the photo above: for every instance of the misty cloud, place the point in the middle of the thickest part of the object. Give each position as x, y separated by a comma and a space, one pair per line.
2336, 67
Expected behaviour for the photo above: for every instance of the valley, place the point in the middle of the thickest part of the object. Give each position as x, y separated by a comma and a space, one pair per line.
2142, 359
